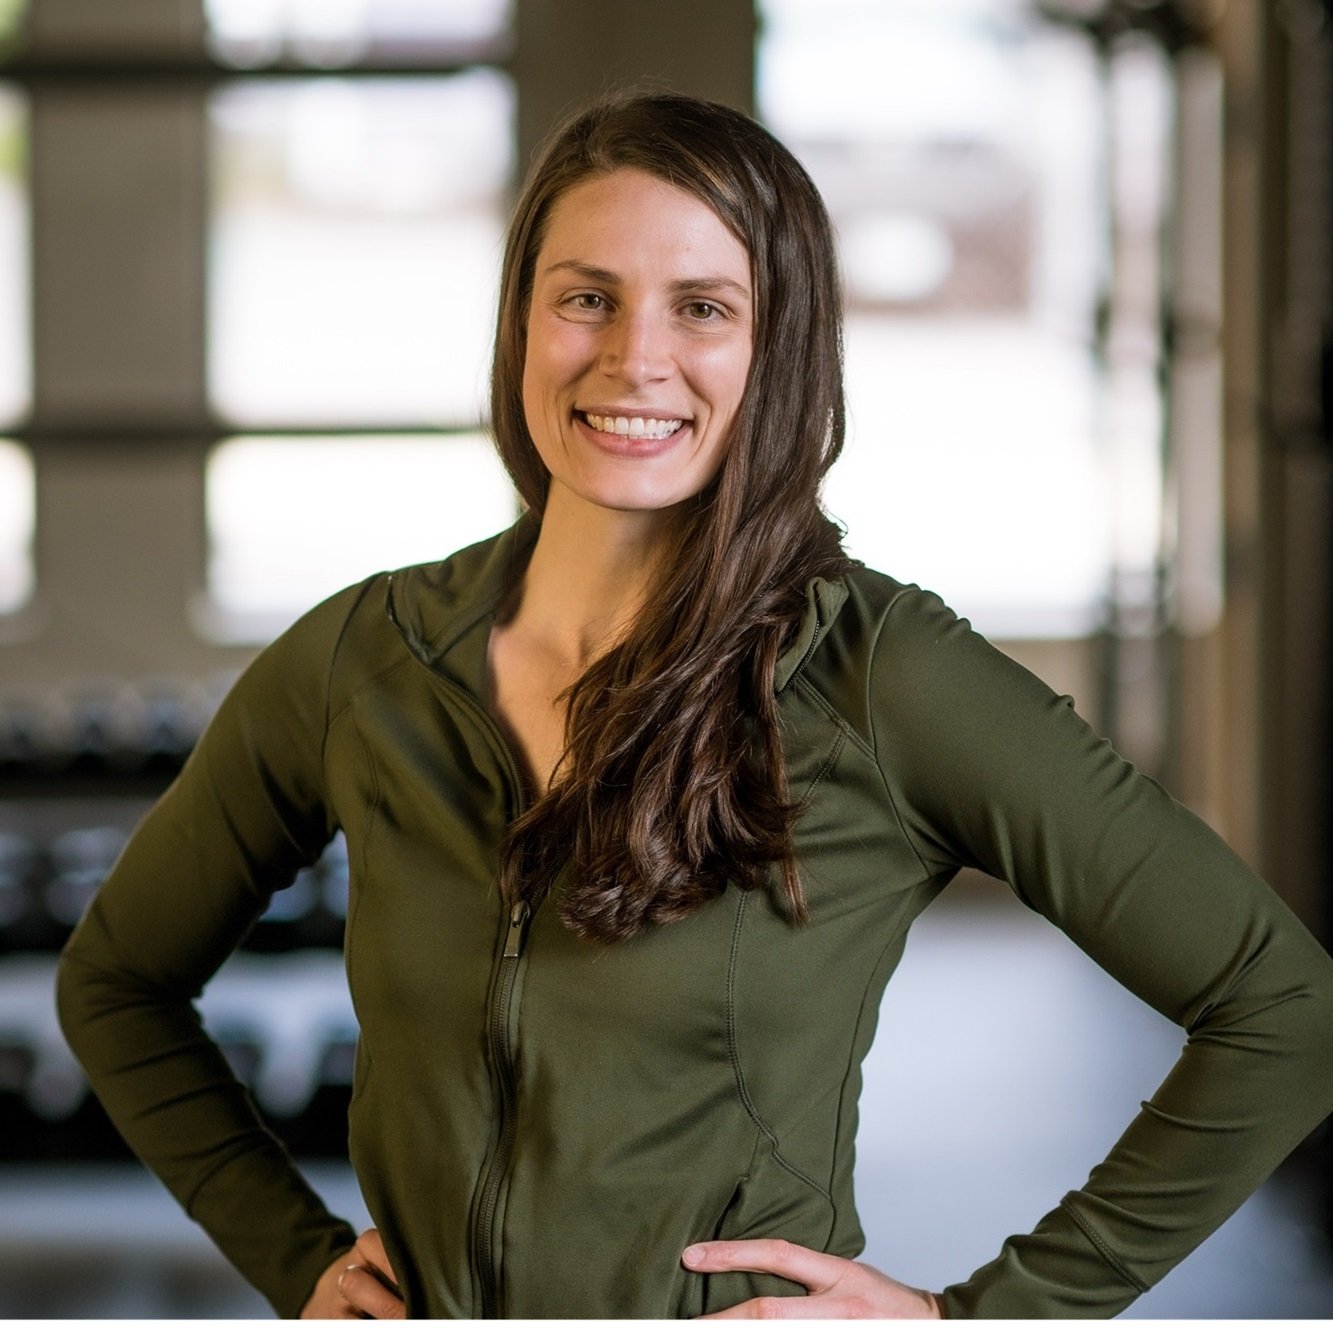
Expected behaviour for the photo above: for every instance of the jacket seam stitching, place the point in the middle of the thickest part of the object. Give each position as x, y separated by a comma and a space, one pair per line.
834, 753
1102, 1247
372, 817
329, 716
849, 1068
733, 1054
879, 766
874, 652
849, 732
803, 685
403, 663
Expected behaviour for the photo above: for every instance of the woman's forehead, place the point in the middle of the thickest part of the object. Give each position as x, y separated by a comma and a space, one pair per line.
619, 223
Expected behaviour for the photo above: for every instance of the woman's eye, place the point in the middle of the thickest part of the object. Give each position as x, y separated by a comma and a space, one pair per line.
588, 300
702, 310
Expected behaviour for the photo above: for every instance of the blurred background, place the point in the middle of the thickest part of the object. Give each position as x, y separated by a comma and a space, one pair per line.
248, 251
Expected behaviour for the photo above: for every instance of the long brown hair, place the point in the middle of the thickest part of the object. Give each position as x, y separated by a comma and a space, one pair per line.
674, 782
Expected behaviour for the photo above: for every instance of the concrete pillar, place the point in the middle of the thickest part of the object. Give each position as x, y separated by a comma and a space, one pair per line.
118, 172
568, 51
135, 30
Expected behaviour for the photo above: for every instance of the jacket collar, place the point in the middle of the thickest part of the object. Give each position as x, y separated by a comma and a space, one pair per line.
443, 611
437, 606
823, 600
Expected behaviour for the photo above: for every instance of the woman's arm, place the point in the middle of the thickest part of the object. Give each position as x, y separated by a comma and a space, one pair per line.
987, 767
245, 814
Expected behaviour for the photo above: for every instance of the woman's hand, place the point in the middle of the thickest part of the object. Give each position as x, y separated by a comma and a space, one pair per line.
360, 1283
838, 1287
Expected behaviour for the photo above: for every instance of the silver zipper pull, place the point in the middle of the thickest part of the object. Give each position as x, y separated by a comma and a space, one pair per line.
518, 927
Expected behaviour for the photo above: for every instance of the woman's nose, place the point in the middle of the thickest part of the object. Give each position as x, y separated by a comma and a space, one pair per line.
637, 348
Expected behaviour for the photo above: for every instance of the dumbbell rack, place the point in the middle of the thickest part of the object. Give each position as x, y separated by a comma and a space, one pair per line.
79, 767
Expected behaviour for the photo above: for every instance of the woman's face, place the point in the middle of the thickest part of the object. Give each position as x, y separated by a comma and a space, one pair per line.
638, 344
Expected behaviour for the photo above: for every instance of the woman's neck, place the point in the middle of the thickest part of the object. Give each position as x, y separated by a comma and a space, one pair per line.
590, 574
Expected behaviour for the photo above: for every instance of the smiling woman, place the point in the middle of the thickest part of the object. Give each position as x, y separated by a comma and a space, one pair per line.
640, 799
636, 364
637, 692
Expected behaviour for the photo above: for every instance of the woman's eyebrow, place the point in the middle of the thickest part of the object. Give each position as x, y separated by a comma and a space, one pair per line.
686, 284
592, 273
588, 270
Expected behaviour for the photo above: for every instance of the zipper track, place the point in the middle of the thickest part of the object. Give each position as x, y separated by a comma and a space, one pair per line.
497, 1031
814, 643
498, 1035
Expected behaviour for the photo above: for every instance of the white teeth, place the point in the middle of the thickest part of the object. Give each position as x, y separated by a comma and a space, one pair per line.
635, 427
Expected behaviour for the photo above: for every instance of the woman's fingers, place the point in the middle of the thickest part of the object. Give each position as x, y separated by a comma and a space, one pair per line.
815, 1270
358, 1284
838, 1287
770, 1307
367, 1280
371, 1247
367, 1293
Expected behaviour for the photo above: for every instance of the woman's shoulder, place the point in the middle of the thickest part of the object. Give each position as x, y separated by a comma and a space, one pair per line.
896, 655
849, 620
890, 615
415, 602
355, 635
314, 638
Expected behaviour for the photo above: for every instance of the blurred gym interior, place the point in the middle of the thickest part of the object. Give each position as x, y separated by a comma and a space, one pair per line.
248, 253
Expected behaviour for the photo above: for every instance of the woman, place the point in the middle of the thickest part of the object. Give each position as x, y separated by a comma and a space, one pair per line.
641, 798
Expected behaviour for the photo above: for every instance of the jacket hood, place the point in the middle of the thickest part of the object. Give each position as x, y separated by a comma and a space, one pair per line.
823, 600
434, 605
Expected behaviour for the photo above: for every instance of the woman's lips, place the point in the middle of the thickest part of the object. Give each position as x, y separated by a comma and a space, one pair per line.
634, 425
632, 436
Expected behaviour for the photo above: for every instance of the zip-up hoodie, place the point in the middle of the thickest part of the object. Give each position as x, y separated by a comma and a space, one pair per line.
539, 1124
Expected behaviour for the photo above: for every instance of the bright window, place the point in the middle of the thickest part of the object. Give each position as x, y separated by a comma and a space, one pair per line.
250, 33
357, 225
17, 514
15, 359
17, 488
292, 520
355, 248
951, 141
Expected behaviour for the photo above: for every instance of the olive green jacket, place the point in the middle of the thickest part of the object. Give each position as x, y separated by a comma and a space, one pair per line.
539, 1124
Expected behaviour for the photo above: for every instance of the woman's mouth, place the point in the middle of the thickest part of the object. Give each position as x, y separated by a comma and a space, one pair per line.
633, 427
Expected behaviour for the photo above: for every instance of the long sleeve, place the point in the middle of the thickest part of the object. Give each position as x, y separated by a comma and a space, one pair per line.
988, 768
246, 813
